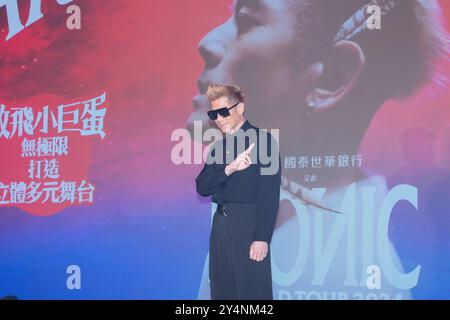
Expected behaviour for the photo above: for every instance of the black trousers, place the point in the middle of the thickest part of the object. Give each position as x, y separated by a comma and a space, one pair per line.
233, 275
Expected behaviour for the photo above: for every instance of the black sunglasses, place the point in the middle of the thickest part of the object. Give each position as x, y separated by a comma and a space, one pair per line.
224, 112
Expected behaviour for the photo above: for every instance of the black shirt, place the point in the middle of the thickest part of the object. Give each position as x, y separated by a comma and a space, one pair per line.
249, 185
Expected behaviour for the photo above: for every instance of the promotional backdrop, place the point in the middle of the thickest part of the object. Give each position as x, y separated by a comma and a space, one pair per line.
95, 96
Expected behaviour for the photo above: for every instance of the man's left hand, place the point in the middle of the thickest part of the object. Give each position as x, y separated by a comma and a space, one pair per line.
258, 250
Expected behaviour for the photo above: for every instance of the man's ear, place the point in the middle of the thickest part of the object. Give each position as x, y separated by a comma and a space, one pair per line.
240, 108
330, 85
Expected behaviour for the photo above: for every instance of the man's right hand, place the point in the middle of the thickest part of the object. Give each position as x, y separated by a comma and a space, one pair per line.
241, 162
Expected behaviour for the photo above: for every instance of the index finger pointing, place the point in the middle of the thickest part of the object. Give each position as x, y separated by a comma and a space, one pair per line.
249, 149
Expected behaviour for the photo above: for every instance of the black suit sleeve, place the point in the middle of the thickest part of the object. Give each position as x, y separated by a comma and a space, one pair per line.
212, 177
268, 198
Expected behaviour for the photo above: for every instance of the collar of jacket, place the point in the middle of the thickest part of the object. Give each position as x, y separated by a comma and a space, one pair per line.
245, 126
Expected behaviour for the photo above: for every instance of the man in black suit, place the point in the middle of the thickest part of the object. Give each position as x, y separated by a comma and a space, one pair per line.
245, 184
